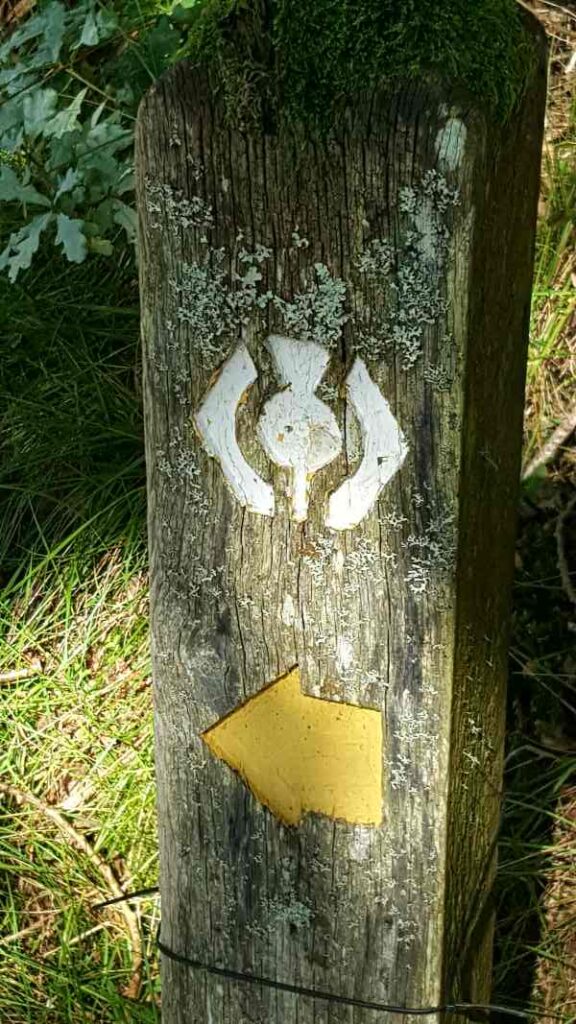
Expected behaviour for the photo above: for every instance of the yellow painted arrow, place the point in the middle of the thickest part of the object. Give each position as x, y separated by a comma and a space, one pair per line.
298, 753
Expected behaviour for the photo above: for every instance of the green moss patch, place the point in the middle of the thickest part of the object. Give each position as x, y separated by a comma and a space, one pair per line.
301, 59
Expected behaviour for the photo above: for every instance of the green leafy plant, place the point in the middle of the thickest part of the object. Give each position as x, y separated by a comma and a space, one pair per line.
70, 81
71, 77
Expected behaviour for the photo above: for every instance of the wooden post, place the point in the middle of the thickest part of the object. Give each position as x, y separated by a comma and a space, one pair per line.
334, 343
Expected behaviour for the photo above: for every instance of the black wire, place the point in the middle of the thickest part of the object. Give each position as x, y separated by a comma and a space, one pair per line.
470, 1010
127, 896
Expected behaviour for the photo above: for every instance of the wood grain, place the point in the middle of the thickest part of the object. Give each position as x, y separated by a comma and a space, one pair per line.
407, 613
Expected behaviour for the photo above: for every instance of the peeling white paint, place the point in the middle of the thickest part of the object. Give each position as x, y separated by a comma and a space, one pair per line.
385, 449
426, 230
216, 422
297, 430
353, 436
450, 144
339, 560
344, 655
361, 843
288, 610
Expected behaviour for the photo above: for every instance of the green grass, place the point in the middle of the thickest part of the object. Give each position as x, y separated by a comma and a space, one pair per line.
78, 734
552, 359
77, 731
70, 422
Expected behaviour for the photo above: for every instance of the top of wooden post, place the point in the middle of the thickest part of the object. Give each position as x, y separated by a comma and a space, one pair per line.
292, 59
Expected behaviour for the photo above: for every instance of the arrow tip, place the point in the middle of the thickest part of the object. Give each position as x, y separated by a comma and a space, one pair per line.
254, 740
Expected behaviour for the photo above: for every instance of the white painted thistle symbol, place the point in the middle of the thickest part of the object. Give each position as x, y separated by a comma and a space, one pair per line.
299, 432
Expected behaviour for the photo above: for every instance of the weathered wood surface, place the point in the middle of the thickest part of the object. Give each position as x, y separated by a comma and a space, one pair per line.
406, 240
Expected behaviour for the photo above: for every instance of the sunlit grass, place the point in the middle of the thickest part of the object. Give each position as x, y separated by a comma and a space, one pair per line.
552, 357
77, 733
75, 696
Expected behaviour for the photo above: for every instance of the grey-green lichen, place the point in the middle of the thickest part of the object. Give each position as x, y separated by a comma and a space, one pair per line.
432, 553
300, 61
292, 912
205, 304
215, 308
395, 292
180, 470
316, 314
215, 304
438, 377
414, 724
164, 201
410, 277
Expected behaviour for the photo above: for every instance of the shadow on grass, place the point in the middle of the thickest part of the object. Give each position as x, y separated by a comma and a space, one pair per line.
72, 467
541, 754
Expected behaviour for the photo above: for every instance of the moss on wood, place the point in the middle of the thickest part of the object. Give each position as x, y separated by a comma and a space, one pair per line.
302, 59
